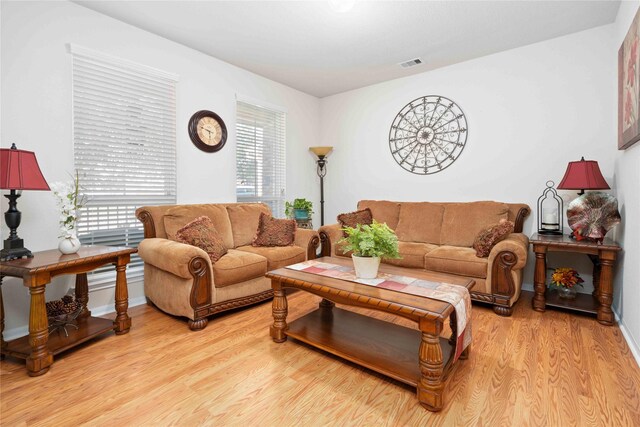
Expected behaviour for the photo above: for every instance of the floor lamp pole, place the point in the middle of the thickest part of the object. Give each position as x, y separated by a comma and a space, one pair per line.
322, 171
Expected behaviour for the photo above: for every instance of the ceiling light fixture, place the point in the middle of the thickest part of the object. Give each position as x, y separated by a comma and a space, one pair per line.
341, 6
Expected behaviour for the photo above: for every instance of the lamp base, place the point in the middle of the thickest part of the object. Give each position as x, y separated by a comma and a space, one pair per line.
7, 254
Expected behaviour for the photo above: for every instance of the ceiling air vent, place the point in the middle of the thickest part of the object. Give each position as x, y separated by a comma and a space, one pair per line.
411, 63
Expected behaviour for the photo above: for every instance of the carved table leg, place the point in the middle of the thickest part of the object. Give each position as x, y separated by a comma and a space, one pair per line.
605, 314
540, 278
596, 276
40, 358
122, 322
430, 385
2, 343
82, 294
280, 311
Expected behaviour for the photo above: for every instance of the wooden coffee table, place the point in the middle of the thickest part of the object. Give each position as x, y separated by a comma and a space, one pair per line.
421, 359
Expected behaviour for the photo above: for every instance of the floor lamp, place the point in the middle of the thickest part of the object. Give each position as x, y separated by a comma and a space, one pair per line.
321, 153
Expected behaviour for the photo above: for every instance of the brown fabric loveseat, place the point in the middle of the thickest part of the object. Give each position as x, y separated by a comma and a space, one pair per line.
181, 280
439, 237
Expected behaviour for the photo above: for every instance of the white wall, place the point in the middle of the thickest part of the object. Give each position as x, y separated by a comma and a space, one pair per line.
36, 115
529, 110
627, 186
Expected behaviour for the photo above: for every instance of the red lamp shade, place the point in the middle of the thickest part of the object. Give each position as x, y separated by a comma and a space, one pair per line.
583, 175
19, 170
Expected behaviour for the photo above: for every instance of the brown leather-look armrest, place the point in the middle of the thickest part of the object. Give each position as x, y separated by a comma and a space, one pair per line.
329, 236
171, 256
308, 240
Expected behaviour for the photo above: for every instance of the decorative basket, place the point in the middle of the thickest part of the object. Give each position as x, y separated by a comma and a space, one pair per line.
62, 313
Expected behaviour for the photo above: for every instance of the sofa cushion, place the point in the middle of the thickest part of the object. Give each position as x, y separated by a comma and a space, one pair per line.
201, 233
488, 238
351, 219
462, 222
244, 219
456, 260
420, 222
412, 254
178, 216
382, 211
274, 232
238, 266
277, 256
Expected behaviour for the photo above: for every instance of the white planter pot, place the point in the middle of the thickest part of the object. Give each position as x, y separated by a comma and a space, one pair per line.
69, 245
366, 267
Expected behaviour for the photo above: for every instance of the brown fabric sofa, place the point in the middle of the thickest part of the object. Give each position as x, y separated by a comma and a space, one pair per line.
439, 237
181, 280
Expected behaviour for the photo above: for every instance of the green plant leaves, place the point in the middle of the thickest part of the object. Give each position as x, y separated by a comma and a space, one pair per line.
374, 240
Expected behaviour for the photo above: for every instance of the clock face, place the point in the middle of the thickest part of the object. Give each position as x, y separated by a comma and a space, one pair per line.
428, 135
207, 131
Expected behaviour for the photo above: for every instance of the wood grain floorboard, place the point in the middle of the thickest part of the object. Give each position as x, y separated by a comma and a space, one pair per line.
531, 369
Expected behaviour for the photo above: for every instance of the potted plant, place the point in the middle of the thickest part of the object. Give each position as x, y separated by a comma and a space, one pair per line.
565, 279
299, 209
369, 243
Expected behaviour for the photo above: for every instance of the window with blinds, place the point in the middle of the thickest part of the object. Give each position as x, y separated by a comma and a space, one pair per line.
124, 129
260, 156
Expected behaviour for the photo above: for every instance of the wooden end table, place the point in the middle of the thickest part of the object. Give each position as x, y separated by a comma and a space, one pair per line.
603, 255
421, 359
38, 348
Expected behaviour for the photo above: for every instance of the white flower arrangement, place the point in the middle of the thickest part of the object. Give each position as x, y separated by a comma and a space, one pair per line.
69, 201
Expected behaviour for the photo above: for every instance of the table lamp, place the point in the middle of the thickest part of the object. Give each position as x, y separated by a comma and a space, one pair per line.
590, 215
321, 153
19, 171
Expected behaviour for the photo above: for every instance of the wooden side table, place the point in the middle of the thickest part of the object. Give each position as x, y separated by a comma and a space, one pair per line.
603, 257
38, 348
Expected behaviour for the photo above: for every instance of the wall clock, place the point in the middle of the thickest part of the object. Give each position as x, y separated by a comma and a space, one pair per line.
428, 135
207, 131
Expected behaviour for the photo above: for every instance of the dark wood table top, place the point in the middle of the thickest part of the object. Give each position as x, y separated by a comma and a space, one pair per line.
423, 303
55, 260
568, 242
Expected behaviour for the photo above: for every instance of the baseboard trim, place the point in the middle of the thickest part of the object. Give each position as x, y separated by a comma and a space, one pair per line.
631, 342
21, 331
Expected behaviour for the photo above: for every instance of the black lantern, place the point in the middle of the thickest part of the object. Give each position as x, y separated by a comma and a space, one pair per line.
550, 211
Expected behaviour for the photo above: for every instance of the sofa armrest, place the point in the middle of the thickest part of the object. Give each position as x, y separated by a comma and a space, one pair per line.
518, 244
173, 257
329, 236
308, 240
504, 273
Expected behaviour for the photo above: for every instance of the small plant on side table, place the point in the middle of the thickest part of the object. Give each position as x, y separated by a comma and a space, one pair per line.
369, 243
565, 280
299, 209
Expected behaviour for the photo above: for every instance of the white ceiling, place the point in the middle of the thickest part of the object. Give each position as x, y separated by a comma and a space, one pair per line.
308, 46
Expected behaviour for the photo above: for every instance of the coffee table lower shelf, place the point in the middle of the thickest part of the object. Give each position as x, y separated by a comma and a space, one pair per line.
383, 347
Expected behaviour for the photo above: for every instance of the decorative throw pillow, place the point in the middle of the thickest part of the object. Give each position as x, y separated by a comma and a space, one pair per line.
201, 233
487, 239
274, 232
352, 219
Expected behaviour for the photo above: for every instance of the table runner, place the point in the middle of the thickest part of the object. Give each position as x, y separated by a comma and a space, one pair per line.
457, 296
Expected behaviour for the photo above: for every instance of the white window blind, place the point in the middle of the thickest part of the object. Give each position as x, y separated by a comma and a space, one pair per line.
260, 156
124, 124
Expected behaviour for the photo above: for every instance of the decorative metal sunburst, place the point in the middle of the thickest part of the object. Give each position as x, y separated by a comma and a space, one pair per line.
428, 135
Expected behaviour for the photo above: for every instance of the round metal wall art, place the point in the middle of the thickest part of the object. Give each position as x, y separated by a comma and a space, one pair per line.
428, 135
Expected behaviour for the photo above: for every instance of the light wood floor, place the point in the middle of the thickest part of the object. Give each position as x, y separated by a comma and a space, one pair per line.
552, 369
